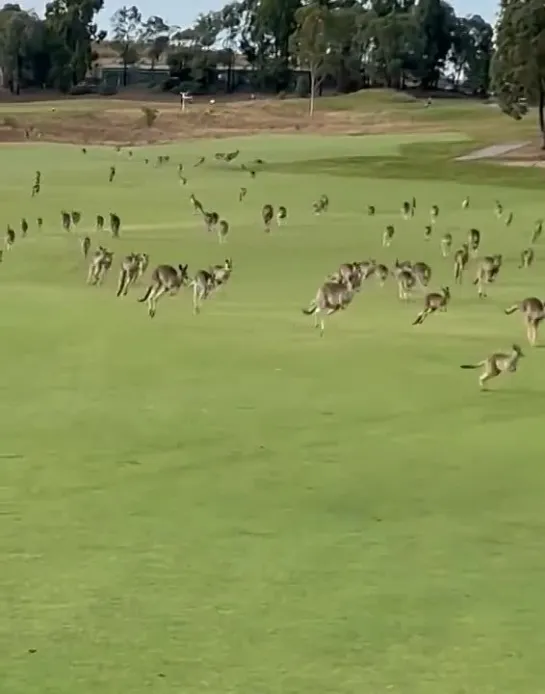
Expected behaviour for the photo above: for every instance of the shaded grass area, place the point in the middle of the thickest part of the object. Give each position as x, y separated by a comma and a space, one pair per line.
428, 161
230, 504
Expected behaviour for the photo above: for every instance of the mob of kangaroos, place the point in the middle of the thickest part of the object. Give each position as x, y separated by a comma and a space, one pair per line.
460, 244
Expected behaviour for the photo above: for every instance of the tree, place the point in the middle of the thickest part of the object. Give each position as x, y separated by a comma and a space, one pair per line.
127, 30
155, 33
71, 29
312, 44
395, 42
231, 18
518, 65
436, 21
472, 48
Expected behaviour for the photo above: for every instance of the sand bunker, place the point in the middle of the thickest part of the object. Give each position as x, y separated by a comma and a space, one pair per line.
492, 151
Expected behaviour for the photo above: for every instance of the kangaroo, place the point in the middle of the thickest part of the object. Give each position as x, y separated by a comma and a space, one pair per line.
321, 205
143, 262
509, 219
461, 259
371, 210
436, 301
428, 232
330, 298
381, 273
487, 272
533, 311
388, 235
324, 202
24, 227
405, 282
197, 205
101, 262
281, 215
526, 258
128, 273
406, 209
221, 273
115, 224
164, 278
498, 209
267, 213
230, 156
85, 246
10, 238
465, 203
496, 364
537, 231
100, 222
203, 284
223, 230
422, 273
474, 240
66, 221
434, 213
349, 273
446, 244
243, 192
210, 220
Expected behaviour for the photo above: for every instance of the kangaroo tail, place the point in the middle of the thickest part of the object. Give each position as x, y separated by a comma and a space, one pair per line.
310, 310
469, 366
511, 309
147, 294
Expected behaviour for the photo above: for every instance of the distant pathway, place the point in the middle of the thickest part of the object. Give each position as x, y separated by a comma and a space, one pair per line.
492, 151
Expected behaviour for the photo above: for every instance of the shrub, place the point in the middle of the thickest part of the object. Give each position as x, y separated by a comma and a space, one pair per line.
81, 90
170, 84
10, 122
107, 90
150, 115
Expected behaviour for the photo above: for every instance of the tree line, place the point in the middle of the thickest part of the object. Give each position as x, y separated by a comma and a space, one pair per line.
292, 44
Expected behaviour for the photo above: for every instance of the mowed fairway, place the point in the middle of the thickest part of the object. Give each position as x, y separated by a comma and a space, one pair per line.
228, 503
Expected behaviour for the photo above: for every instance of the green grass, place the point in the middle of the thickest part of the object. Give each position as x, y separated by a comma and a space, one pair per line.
229, 503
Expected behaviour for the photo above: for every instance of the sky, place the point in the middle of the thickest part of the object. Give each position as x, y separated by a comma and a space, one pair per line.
184, 13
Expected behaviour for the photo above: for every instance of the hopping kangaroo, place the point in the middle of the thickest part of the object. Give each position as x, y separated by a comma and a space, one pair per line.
436, 301
474, 240
533, 311
526, 258
101, 262
461, 259
446, 244
381, 273
164, 278
221, 273
203, 284
405, 279
206, 281
496, 364
487, 272
422, 273
128, 274
9, 238
330, 298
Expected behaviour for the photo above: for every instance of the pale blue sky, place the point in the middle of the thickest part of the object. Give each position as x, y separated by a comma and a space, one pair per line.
183, 13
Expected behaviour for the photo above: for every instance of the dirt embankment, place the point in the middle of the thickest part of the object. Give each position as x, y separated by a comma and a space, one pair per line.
96, 120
